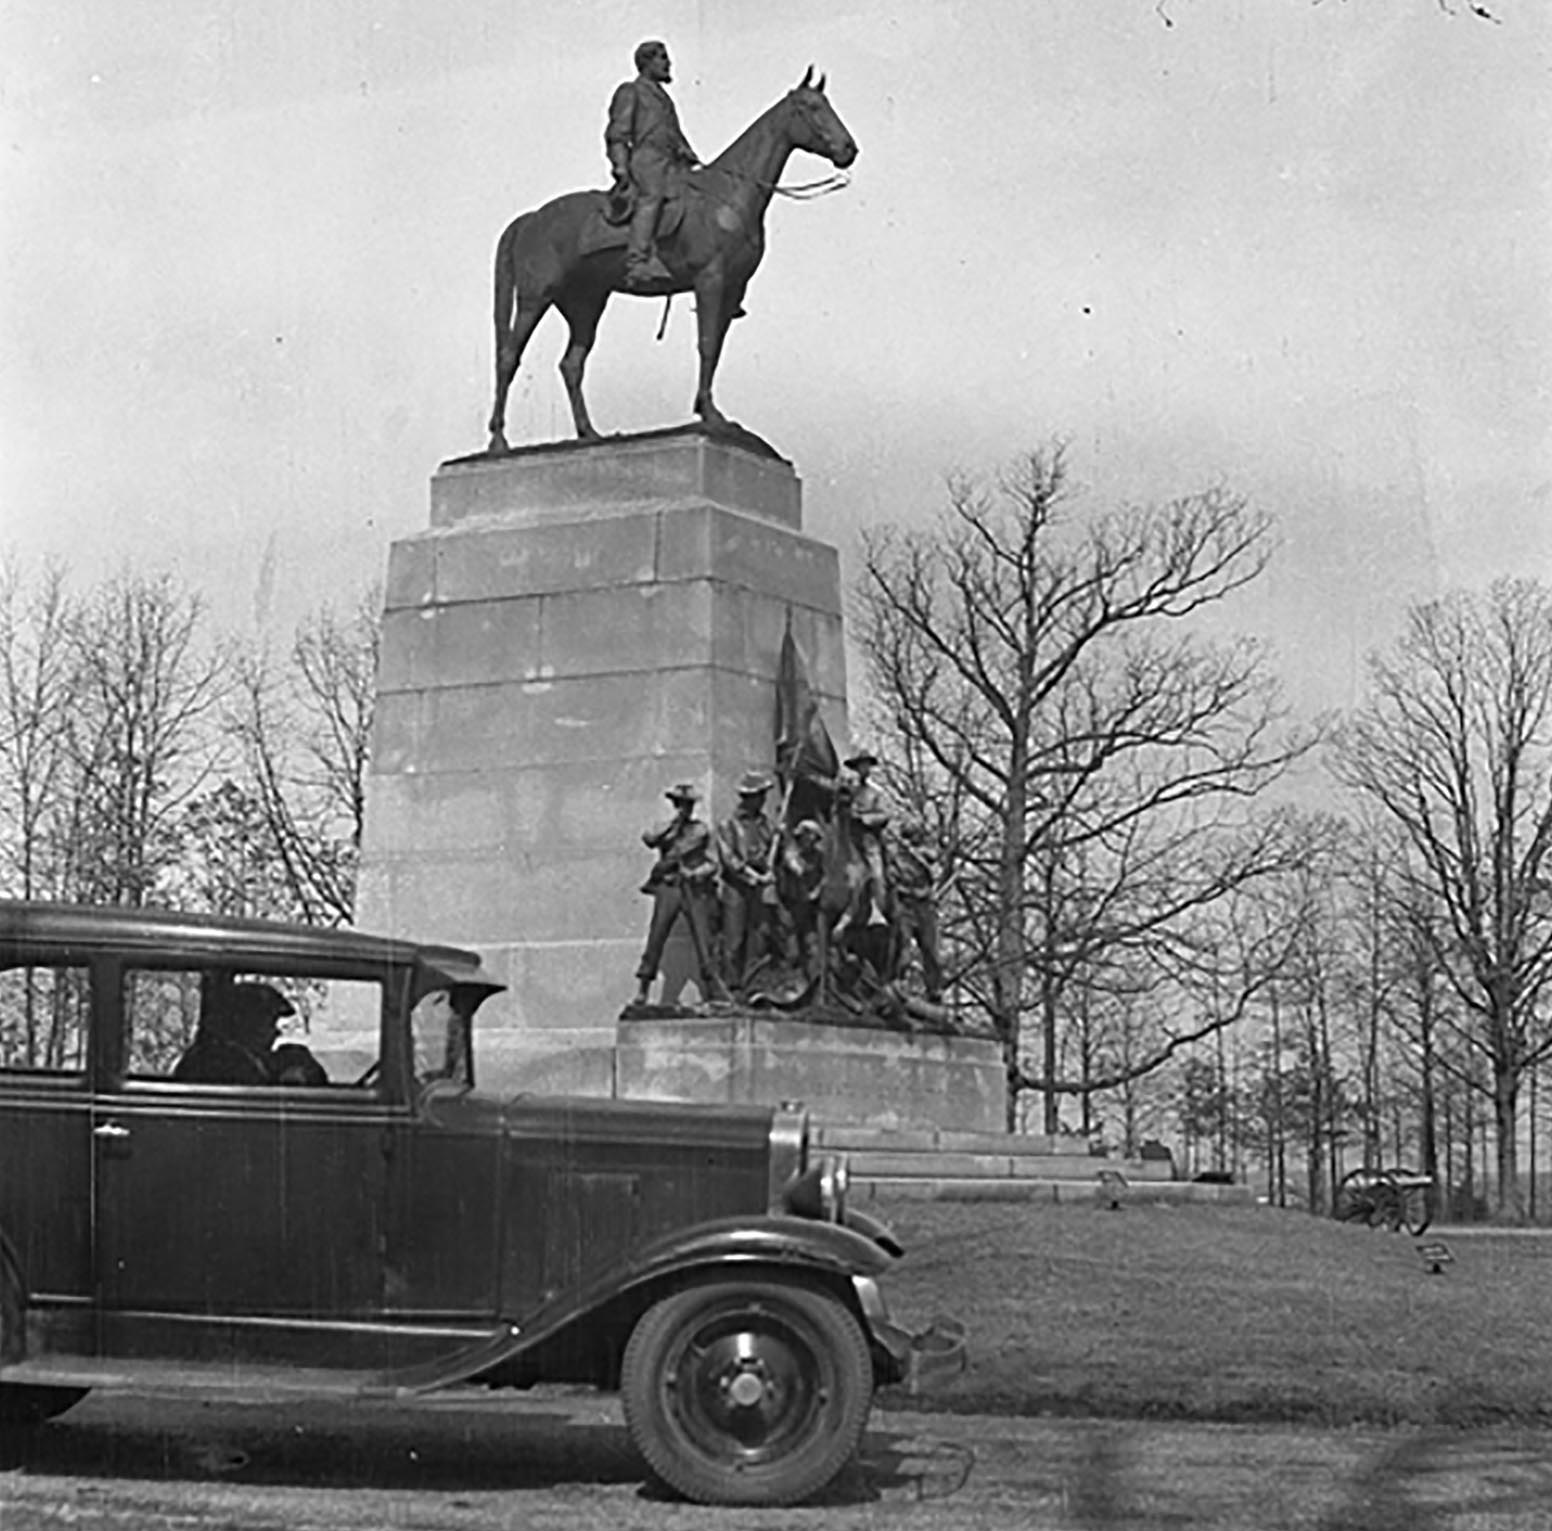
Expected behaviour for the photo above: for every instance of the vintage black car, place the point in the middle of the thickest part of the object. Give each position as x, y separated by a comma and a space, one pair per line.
237, 1155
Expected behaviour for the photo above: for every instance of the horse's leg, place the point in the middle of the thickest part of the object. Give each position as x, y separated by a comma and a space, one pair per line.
712, 313
510, 343
582, 309
505, 284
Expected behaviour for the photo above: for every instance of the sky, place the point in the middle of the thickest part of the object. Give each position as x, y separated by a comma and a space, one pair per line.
1300, 248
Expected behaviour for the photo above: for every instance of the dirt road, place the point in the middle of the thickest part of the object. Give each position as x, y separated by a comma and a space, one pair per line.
560, 1461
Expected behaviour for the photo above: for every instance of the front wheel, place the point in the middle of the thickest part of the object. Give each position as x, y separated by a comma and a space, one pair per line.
747, 1392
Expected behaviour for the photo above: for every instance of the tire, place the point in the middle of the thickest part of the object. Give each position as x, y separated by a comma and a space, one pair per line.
1415, 1203
752, 1392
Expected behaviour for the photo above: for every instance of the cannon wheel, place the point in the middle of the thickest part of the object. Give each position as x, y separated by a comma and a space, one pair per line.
1360, 1197
1415, 1200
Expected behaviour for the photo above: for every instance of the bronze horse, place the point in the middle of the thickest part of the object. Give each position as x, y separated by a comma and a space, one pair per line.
565, 254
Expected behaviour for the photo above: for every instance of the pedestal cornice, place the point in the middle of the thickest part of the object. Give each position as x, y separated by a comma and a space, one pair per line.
576, 480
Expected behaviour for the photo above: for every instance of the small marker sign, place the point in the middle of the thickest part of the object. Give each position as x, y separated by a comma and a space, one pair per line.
1435, 1254
1112, 1183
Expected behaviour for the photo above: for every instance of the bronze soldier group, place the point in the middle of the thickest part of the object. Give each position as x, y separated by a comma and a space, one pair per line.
749, 891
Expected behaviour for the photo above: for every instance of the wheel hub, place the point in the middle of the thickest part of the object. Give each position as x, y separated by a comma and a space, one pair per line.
746, 1388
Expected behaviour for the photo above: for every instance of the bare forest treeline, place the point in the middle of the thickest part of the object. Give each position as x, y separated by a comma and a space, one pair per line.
1284, 947
148, 758
1139, 901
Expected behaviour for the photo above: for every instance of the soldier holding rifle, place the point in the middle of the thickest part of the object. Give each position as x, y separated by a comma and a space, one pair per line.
683, 882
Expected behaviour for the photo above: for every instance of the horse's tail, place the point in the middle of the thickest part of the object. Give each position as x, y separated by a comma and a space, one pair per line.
505, 283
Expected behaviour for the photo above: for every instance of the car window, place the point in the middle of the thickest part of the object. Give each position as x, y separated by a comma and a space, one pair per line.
250, 1028
44, 1016
439, 1039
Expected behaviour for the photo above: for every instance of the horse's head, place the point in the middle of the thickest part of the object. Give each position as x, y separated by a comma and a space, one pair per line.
815, 125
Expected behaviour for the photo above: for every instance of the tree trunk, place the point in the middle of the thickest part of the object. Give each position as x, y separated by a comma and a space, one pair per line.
1509, 1202
1428, 1140
1008, 980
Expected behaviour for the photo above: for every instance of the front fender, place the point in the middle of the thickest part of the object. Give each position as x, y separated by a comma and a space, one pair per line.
791, 1242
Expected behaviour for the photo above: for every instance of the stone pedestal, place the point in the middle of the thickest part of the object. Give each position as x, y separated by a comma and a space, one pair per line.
580, 627
861, 1075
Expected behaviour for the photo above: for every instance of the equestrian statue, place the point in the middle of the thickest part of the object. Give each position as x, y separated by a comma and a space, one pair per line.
668, 225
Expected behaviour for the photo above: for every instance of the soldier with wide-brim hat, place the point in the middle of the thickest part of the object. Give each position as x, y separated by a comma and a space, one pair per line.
746, 843
683, 882
914, 872
870, 814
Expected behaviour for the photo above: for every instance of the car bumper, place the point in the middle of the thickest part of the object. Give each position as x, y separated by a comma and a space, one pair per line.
917, 1360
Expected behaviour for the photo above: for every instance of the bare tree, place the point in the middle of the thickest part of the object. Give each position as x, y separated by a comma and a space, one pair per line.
144, 686
1043, 678
306, 739
35, 713
1455, 746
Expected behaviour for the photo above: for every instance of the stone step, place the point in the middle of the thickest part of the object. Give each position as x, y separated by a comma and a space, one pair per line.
893, 1154
850, 1137
1068, 1192
1055, 1167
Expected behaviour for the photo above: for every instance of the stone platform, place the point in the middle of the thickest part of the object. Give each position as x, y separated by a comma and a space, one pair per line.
857, 1074
580, 626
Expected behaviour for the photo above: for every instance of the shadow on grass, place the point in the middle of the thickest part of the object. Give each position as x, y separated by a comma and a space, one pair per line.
440, 1449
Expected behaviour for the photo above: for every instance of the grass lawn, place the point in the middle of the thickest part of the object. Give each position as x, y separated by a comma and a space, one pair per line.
1225, 1313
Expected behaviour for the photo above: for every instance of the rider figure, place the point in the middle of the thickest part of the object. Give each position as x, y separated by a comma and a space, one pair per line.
647, 151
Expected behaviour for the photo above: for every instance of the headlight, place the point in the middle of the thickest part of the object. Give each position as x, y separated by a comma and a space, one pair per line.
820, 1191
786, 1151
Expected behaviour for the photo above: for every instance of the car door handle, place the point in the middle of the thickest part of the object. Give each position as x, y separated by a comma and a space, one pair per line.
111, 1132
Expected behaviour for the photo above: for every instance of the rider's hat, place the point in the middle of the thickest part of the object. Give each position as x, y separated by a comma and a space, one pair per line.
862, 758
682, 792
752, 782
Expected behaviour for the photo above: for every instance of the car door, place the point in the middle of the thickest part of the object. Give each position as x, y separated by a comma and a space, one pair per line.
45, 1141
233, 1217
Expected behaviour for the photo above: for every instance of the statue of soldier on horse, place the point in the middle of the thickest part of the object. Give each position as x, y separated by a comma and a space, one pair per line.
667, 225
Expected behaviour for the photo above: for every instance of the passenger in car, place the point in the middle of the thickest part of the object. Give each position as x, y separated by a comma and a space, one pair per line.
234, 1043
292, 1063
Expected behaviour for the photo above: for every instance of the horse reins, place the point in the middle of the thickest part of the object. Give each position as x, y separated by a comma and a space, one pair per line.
806, 191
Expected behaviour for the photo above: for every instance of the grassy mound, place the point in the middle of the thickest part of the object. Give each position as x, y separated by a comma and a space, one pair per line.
1229, 1314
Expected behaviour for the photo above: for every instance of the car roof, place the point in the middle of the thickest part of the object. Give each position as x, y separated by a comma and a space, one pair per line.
222, 935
